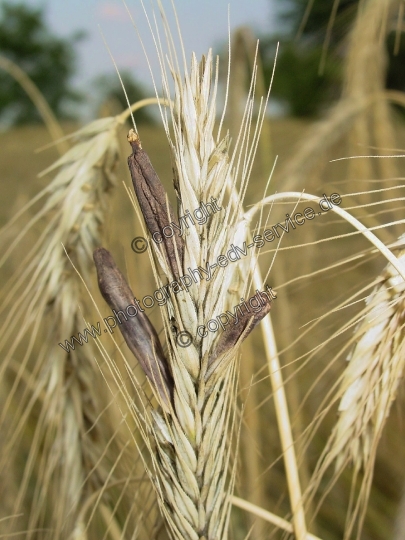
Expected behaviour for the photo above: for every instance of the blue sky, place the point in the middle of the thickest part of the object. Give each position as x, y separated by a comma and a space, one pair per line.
203, 23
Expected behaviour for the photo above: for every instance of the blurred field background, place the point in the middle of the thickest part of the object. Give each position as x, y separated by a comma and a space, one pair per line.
326, 108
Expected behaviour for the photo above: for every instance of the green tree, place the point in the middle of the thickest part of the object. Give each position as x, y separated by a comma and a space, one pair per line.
311, 19
298, 84
308, 76
47, 59
311, 51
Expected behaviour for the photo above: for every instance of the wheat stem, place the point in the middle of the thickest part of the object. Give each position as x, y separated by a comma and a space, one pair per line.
342, 213
121, 118
268, 516
283, 419
39, 101
280, 401
274, 365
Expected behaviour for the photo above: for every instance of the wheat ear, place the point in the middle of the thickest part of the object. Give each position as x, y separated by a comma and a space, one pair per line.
75, 205
193, 422
369, 384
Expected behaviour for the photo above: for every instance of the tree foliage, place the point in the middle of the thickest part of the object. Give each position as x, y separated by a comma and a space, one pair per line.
312, 47
308, 76
298, 83
47, 59
311, 19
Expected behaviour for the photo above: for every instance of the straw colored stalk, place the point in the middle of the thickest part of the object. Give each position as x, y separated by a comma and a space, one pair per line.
48, 298
243, 58
243, 45
365, 75
370, 382
192, 423
38, 100
393, 281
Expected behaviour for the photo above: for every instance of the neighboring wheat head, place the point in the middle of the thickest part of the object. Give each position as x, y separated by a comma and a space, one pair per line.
369, 384
51, 387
